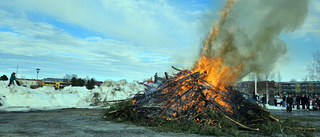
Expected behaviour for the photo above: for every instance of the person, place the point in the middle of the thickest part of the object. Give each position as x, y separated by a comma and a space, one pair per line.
155, 78
298, 100
12, 79
313, 103
151, 80
308, 103
275, 101
264, 101
289, 103
318, 102
284, 101
304, 101
166, 74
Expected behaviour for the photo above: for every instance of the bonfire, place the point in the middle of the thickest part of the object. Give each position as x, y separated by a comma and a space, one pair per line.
190, 94
204, 94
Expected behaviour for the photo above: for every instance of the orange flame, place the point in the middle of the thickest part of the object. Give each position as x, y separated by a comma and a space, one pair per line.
174, 114
217, 73
134, 101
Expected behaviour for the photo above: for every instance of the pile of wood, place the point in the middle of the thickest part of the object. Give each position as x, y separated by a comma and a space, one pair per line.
185, 97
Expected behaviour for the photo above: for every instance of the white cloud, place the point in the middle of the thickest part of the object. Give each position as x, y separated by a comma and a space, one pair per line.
139, 36
316, 6
311, 27
152, 24
55, 51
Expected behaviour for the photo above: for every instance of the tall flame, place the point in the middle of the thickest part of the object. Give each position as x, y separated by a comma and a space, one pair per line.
218, 74
215, 71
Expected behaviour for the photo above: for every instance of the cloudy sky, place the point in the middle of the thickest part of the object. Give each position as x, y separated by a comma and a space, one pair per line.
124, 39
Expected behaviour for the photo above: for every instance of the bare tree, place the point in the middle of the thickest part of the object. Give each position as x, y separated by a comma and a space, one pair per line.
74, 76
279, 76
268, 76
252, 77
305, 79
293, 80
260, 84
279, 80
67, 77
314, 67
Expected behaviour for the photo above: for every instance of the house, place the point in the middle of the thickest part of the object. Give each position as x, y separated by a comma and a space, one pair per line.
30, 83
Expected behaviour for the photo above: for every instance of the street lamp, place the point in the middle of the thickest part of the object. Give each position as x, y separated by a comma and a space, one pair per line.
37, 77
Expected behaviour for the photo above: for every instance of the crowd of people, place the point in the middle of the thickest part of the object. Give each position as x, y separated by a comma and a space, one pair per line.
300, 101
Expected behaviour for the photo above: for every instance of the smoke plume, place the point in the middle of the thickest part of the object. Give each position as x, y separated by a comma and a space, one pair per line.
248, 33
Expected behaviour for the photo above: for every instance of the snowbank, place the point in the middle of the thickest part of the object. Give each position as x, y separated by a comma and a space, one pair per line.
14, 97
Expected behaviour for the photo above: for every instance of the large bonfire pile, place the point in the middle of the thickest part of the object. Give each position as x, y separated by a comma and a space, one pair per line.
188, 96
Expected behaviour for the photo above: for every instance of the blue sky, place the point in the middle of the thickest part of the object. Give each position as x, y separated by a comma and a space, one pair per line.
123, 39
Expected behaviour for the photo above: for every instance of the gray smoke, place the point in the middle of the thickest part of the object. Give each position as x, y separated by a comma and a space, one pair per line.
250, 35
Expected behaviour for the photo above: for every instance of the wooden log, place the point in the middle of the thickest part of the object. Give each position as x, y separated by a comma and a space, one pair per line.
176, 68
93, 114
242, 126
302, 129
273, 118
114, 111
118, 100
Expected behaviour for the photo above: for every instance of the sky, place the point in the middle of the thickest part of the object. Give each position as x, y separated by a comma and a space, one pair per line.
124, 39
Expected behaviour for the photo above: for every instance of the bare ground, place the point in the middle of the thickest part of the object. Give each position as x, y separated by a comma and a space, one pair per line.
74, 122
69, 122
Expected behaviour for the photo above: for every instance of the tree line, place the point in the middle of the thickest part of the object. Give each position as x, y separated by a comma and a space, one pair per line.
81, 82
75, 81
72, 79
4, 77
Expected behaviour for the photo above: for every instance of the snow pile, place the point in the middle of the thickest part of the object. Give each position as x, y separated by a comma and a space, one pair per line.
78, 97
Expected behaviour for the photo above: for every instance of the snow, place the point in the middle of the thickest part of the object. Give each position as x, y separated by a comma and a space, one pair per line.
19, 98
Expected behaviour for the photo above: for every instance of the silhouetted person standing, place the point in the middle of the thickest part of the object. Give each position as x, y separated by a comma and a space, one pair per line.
298, 100
304, 101
12, 79
155, 78
289, 102
275, 101
308, 102
264, 101
284, 101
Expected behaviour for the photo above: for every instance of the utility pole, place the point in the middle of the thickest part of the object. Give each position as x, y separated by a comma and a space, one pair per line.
37, 77
267, 90
255, 84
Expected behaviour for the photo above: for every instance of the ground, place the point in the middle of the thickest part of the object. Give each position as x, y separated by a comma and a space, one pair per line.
74, 122
69, 122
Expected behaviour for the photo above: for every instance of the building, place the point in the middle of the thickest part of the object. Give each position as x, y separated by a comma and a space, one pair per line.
245, 86
55, 84
262, 87
30, 83
56, 79
306, 87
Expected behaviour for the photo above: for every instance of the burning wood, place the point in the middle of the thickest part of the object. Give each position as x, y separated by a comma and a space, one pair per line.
189, 97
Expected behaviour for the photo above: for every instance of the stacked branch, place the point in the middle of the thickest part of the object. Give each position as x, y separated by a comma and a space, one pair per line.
188, 97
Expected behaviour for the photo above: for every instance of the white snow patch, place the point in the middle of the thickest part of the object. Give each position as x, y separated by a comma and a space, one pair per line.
19, 98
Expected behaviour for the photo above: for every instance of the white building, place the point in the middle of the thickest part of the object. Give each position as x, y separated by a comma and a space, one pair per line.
30, 83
